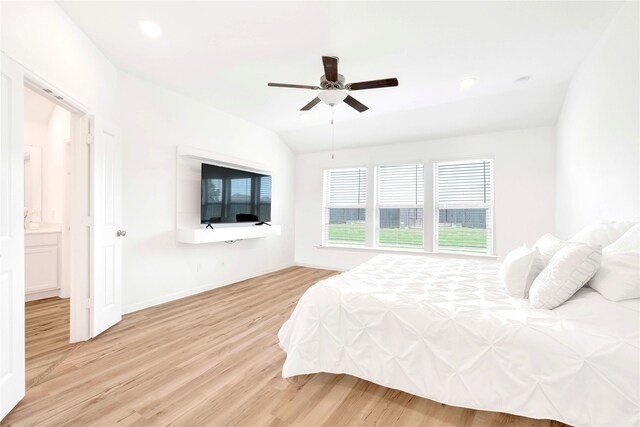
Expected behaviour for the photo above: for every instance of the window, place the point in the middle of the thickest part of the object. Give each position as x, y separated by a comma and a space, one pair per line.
345, 206
463, 206
400, 191
263, 204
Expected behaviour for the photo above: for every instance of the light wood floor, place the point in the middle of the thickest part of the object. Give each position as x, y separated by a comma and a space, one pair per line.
211, 359
47, 337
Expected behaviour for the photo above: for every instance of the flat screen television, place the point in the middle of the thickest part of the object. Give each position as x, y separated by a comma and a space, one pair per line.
232, 195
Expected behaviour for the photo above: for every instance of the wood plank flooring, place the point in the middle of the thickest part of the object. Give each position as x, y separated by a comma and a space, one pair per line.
47, 336
209, 360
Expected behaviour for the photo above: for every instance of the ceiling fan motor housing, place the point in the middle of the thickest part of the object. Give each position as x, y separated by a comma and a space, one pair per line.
326, 84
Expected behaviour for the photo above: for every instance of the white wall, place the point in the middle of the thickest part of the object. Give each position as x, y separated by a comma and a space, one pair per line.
50, 136
44, 40
524, 174
35, 135
58, 132
598, 159
156, 268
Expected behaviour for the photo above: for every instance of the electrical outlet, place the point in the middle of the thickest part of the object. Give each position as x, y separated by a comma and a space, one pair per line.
198, 267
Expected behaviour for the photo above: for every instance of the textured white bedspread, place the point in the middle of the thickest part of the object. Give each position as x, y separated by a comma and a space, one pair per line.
445, 329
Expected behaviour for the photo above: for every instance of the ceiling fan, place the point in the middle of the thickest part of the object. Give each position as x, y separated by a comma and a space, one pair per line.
332, 87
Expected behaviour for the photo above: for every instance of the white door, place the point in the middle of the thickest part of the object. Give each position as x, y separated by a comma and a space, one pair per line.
106, 225
12, 378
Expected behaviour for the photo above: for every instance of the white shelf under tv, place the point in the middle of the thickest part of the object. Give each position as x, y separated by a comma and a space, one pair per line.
226, 233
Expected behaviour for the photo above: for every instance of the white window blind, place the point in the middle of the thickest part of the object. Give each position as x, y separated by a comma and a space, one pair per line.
264, 199
400, 205
345, 195
463, 202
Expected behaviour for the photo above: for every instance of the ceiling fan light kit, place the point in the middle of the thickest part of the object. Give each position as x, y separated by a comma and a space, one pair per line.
332, 97
332, 87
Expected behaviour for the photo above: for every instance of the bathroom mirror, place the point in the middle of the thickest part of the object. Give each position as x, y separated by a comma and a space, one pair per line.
33, 183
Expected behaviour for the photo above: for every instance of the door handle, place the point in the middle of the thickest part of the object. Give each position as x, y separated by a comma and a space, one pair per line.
121, 233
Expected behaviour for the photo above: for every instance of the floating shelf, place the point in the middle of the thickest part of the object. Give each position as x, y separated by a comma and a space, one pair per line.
197, 236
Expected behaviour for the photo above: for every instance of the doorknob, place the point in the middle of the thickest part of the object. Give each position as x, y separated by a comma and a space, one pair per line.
121, 233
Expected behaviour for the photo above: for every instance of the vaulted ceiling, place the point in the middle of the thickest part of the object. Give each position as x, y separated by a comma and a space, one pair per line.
224, 53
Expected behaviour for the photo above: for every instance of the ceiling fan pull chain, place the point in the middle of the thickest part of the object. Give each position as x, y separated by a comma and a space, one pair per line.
333, 134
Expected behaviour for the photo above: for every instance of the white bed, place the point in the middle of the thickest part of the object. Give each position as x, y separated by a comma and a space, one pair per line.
446, 330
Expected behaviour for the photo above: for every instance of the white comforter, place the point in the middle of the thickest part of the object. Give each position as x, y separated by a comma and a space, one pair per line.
446, 330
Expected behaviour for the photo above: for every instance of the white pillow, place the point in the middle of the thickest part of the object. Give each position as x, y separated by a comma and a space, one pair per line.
567, 272
619, 275
518, 270
603, 234
548, 245
629, 241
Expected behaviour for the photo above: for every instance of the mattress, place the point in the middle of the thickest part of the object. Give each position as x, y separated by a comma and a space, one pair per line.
446, 330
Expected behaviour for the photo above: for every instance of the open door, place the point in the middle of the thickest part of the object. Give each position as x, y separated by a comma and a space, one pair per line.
12, 369
106, 225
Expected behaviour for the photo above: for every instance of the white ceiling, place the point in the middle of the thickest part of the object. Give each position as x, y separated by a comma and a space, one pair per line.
37, 108
224, 53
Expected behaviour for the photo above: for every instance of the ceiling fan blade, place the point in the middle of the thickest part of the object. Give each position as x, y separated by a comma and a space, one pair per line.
330, 68
310, 105
351, 101
293, 86
373, 84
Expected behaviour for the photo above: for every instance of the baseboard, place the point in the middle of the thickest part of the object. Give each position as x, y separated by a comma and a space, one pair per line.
321, 267
33, 296
194, 291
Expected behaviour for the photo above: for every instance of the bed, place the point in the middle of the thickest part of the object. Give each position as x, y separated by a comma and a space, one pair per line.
445, 329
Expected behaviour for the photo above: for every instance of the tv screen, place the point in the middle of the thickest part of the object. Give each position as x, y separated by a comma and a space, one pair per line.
232, 195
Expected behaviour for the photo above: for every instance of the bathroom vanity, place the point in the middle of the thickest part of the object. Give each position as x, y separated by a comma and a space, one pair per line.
42, 263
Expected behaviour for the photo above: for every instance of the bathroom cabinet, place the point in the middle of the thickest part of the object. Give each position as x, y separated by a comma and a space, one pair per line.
42, 264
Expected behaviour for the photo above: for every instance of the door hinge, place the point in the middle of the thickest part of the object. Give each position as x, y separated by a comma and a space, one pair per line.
89, 132
87, 303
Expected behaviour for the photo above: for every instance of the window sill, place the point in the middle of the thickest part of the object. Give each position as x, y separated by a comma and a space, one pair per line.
408, 251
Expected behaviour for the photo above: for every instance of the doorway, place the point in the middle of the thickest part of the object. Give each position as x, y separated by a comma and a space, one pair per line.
48, 220
89, 243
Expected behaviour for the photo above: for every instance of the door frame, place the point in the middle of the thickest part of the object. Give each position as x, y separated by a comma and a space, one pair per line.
79, 202
12, 381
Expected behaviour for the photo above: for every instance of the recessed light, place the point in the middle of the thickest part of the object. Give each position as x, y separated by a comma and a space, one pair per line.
522, 80
150, 29
467, 83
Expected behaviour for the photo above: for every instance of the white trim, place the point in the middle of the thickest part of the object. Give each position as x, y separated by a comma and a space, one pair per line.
408, 251
199, 289
38, 84
79, 239
320, 267
34, 296
214, 158
370, 214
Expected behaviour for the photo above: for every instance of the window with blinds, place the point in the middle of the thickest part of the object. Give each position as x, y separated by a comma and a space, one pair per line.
264, 197
400, 205
463, 202
345, 195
